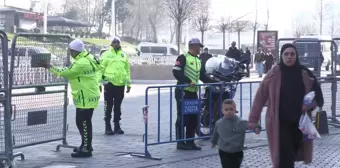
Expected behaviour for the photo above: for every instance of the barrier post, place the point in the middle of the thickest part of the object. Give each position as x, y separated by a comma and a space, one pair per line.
145, 112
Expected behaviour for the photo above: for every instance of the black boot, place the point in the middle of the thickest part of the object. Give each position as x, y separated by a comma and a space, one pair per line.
83, 153
193, 146
117, 129
77, 149
183, 146
108, 129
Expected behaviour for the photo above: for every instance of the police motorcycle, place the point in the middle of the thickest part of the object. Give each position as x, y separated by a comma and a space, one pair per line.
226, 70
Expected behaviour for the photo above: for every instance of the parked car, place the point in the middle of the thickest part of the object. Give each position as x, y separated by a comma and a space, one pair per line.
146, 49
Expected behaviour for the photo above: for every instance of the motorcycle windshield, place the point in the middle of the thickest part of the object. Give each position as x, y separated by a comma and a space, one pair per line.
226, 66
212, 64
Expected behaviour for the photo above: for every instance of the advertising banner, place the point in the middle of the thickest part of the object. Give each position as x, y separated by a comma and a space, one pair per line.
266, 40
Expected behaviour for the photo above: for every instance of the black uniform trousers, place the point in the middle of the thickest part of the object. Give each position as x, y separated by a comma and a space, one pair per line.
247, 69
113, 97
231, 160
190, 121
84, 125
290, 141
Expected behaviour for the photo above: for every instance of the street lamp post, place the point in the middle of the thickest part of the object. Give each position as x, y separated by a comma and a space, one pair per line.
113, 18
45, 15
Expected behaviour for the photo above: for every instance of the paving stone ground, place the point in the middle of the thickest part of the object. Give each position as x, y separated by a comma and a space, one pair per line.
108, 149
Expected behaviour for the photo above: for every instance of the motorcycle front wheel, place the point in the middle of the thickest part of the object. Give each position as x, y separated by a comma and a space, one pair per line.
203, 128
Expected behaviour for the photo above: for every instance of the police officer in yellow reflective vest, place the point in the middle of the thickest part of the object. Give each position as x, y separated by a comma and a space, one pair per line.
83, 78
187, 70
116, 74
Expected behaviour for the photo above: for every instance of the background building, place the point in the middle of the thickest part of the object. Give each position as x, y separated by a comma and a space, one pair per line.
15, 19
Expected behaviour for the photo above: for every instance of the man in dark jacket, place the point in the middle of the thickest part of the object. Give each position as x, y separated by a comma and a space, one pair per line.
247, 56
205, 56
269, 61
258, 60
233, 52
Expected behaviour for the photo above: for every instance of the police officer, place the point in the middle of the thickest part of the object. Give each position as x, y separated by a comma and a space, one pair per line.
187, 70
116, 72
85, 92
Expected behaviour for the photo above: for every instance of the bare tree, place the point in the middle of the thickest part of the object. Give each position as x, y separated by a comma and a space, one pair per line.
224, 25
266, 26
334, 29
96, 16
202, 19
172, 30
254, 26
300, 27
323, 13
179, 11
241, 26
138, 22
201, 24
155, 15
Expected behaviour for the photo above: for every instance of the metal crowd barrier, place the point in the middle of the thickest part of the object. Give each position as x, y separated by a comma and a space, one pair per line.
329, 87
154, 113
39, 98
310, 56
6, 147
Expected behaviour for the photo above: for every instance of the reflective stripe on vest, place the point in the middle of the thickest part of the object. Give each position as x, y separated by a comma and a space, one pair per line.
192, 71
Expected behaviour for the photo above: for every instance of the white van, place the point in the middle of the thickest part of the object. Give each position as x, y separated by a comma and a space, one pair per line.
146, 49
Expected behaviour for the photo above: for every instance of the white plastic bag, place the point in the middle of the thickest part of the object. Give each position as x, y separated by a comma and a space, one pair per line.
307, 128
308, 99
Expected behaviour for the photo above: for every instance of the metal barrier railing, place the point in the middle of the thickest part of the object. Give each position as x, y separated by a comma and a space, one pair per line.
39, 98
312, 54
205, 118
34, 102
329, 87
6, 146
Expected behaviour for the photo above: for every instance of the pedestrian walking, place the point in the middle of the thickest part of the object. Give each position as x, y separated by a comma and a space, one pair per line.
247, 56
283, 89
187, 70
229, 134
116, 74
82, 75
269, 61
259, 58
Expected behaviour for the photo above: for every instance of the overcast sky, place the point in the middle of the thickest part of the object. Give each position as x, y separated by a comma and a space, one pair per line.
282, 12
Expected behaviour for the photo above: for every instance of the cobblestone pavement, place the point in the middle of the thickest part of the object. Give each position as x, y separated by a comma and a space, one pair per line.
108, 149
